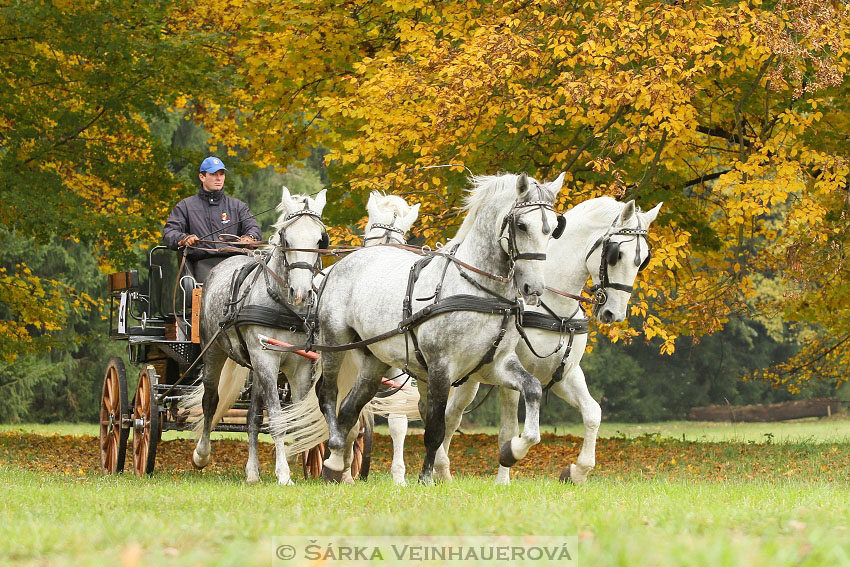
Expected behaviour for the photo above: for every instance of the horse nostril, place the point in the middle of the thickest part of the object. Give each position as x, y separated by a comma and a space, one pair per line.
526, 289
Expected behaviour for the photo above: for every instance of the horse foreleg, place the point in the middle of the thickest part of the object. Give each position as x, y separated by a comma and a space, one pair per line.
347, 477
459, 400
340, 439
517, 448
398, 431
255, 418
435, 419
213, 363
573, 389
508, 427
265, 375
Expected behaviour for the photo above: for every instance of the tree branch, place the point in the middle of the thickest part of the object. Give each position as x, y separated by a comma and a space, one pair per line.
592, 136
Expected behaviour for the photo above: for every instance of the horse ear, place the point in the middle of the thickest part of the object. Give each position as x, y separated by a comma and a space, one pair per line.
372, 205
522, 184
628, 212
411, 216
556, 185
320, 200
652, 214
285, 201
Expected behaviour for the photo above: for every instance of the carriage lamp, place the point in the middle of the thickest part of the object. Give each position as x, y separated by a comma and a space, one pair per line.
119, 281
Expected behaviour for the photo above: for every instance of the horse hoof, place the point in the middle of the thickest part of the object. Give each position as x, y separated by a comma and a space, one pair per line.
331, 475
506, 456
252, 480
196, 465
566, 475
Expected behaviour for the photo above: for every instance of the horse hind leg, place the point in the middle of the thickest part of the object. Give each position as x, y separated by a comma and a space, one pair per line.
573, 389
508, 427
347, 477
213, 363
398, 431
458, 401
255, 418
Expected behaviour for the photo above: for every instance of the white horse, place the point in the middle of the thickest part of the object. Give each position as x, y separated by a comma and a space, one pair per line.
301, 232
443, 316
588, 227
605, 240
389, 220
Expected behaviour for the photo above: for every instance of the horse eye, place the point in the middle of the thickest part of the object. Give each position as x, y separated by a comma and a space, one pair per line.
522, 226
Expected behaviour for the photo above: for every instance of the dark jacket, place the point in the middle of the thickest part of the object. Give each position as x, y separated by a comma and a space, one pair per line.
208, 215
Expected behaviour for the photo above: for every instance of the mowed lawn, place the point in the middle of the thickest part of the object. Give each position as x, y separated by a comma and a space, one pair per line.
736, 497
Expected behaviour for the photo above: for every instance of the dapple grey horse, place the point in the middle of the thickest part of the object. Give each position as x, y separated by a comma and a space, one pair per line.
604, 240
496, 255
300, 231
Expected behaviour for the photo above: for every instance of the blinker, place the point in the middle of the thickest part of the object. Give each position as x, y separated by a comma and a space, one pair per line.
559, 228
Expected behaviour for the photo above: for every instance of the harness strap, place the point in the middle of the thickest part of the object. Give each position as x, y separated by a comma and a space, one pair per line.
558, 375
461, 302
546, 322
278, 318
491, 352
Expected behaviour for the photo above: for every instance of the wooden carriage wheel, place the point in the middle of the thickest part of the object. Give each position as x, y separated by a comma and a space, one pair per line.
313, 459
146, 422
113, 408
362, 458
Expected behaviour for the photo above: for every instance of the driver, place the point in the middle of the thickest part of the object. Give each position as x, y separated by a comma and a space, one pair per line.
207, 216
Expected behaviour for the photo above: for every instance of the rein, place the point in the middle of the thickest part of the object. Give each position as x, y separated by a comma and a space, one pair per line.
495, 304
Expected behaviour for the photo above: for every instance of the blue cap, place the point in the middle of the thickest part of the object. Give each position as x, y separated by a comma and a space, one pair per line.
211, 165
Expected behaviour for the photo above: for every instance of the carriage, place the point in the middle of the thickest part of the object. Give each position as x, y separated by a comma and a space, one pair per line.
166, 342
155, 318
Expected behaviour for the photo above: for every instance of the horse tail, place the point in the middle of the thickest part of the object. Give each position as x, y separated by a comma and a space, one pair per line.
403, 402
302, 421
230, 384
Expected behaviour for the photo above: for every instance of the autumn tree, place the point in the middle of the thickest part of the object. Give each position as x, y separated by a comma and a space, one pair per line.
80, 83
732, 113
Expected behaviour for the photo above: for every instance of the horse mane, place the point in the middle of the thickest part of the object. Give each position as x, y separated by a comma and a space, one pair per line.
600, 211
391, 204
284, 209
494, 192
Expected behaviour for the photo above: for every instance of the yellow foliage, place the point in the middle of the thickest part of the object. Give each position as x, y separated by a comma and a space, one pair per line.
733, 114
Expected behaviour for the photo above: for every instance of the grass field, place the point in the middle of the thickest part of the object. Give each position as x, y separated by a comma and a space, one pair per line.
722, 496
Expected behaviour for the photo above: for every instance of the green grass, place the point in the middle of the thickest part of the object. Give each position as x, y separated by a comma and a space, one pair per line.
744, 502
203, 520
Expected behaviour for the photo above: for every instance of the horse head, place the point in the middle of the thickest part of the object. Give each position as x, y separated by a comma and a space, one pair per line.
299, 234
526, 231
390, 217
616, 258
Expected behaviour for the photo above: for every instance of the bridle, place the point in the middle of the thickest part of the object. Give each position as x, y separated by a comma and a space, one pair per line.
609, 257
290, 219
508, 241
390, 230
